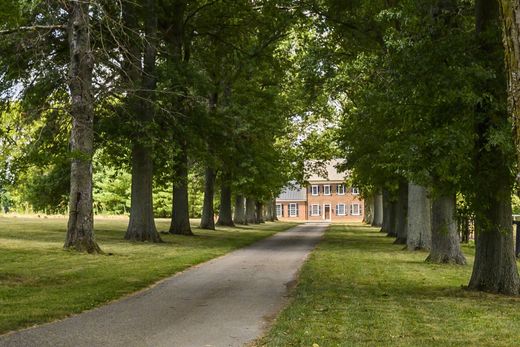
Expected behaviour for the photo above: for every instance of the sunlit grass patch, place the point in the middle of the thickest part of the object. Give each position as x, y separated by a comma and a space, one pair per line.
358, 289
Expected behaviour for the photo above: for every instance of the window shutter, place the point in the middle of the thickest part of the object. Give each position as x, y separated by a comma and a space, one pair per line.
297, 210
281, 207
337, 210
319, 210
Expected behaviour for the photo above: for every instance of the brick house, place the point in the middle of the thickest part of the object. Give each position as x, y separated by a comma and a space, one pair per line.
325, 198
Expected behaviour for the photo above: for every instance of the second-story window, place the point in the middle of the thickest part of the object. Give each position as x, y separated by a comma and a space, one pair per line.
355, 191
340, 189
315, 190
326, 190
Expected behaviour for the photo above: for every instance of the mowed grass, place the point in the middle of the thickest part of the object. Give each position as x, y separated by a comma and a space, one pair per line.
358, 289
40, 282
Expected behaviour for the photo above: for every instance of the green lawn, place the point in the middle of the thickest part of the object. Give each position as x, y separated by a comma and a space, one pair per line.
358, 289
39, 282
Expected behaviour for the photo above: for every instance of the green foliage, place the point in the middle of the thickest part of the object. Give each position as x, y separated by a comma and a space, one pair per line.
515, 202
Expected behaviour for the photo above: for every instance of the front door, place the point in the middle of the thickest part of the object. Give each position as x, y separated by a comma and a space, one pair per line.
326, 215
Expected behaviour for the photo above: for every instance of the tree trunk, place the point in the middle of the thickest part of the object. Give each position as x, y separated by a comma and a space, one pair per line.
510, 15
80, 228
401, 213
240, 211
494, 269
388, 215
141, 226
259, 212
377, 221
268, 211
419, 218
225, 216
180, 223
369, 209
250, 211
445, 240
207, 220
273, 206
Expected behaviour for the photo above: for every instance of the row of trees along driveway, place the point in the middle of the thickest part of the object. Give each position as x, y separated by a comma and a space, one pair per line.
414, 95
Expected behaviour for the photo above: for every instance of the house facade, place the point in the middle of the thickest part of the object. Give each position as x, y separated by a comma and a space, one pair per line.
325, 198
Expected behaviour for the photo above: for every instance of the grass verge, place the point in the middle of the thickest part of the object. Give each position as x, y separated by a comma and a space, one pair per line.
40, 282
358, 289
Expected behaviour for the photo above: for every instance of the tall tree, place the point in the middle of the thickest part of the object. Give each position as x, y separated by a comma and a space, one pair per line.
80, 227
495, 266
142, 83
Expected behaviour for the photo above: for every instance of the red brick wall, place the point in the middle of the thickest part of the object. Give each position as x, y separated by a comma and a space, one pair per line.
334, 199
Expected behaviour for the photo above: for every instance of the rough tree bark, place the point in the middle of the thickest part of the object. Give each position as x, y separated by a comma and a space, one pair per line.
445, 239
259, 212
180, 223
141, 226
225, 216
273, 206
251, 211
495, 268
268, 211
401, 213
388, 215
207, 220
510, 15
80, 228
419, 234
368, 203
378, 210
240, 210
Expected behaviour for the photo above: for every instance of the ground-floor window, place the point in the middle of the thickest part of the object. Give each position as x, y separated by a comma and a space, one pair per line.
355, 209
315, 210
340, 210
293, 210
279, 210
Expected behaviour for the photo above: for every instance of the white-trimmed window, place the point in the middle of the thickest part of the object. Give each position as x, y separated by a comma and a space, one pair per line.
355, 191
341, 210
279, 210
340, 189
315, 190
315, 210
355, 210
326, 189
293, 210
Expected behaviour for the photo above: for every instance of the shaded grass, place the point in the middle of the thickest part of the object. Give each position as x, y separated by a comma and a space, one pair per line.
358, 289
40, 282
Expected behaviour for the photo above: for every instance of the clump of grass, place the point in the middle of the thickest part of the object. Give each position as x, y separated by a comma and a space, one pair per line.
358, 289
40, 282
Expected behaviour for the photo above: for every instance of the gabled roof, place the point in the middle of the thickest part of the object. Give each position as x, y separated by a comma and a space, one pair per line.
327, 172
293, 192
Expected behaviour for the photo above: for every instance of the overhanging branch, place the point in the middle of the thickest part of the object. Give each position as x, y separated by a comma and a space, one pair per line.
31, 28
